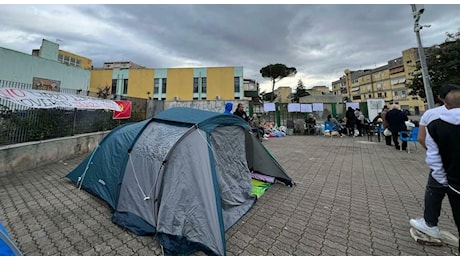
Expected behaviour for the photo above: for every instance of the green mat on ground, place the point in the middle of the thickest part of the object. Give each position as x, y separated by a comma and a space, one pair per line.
259, 187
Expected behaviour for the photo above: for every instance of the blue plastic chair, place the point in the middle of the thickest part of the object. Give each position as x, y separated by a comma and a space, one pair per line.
409, 137
377, 129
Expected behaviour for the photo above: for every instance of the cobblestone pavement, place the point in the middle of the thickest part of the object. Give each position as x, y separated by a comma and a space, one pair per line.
352, 197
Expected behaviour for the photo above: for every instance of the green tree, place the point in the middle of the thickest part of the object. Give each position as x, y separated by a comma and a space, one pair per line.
300, 91
443, 63
276, 72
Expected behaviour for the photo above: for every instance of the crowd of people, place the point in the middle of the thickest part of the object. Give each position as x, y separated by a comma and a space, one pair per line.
354, 124
439, 134
260, 127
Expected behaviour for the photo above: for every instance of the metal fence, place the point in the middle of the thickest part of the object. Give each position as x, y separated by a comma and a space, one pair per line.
282, 117
20, 124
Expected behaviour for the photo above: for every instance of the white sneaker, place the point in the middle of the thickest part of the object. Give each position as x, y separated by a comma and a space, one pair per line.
421, 225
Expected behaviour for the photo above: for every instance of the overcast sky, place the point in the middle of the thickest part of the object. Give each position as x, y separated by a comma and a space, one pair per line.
320, 41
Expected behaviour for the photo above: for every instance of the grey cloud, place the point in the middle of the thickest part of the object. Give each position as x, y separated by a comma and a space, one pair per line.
319, 40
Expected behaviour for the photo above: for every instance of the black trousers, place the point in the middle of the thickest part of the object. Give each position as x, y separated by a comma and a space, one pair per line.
388, 140
434, 194
395, 136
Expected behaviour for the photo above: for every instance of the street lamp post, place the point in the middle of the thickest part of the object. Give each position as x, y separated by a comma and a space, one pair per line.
417, 12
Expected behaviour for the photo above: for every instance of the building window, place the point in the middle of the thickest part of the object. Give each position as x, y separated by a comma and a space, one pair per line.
114, 86
236, 84
125, 86
195, 85
156, 86
379, 94
203, 85
60, 57
163, 86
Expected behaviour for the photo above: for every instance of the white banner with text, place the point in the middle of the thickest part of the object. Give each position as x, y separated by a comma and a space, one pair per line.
50, 99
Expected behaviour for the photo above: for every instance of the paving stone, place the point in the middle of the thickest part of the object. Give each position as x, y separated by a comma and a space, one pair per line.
351, 199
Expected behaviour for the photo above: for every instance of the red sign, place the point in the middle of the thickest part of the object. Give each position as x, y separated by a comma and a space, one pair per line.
125, 107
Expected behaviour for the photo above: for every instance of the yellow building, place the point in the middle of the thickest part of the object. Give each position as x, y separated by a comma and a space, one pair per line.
387, 82
212, 83
74, 60
318, 90
283, 94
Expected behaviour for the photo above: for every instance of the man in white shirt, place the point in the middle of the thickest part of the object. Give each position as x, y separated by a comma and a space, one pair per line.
436, 187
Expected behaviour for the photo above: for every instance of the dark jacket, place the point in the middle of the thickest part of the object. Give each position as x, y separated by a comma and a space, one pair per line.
242, 114
396, 120
350, 115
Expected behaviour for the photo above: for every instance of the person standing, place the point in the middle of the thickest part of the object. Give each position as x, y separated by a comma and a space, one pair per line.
239, 111
351, 121
397, 123
434, 191
359, 121
385, 124
443, 150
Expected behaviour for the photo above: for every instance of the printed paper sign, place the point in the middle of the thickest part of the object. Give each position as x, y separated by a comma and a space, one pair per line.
294, 107
306, 108
269, 107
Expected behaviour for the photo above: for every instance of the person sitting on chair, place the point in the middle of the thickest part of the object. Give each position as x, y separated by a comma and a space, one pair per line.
310, 124
257, 127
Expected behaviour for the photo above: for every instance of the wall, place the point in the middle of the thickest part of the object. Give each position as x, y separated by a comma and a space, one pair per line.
140, 82
49, 50
221, 83
321, 99
100, 79
22, 67
179, 84
20, 157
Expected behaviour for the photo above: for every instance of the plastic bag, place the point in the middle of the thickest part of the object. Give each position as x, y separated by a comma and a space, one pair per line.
387, 132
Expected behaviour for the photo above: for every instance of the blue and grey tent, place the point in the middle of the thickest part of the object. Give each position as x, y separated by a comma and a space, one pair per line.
183, 176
